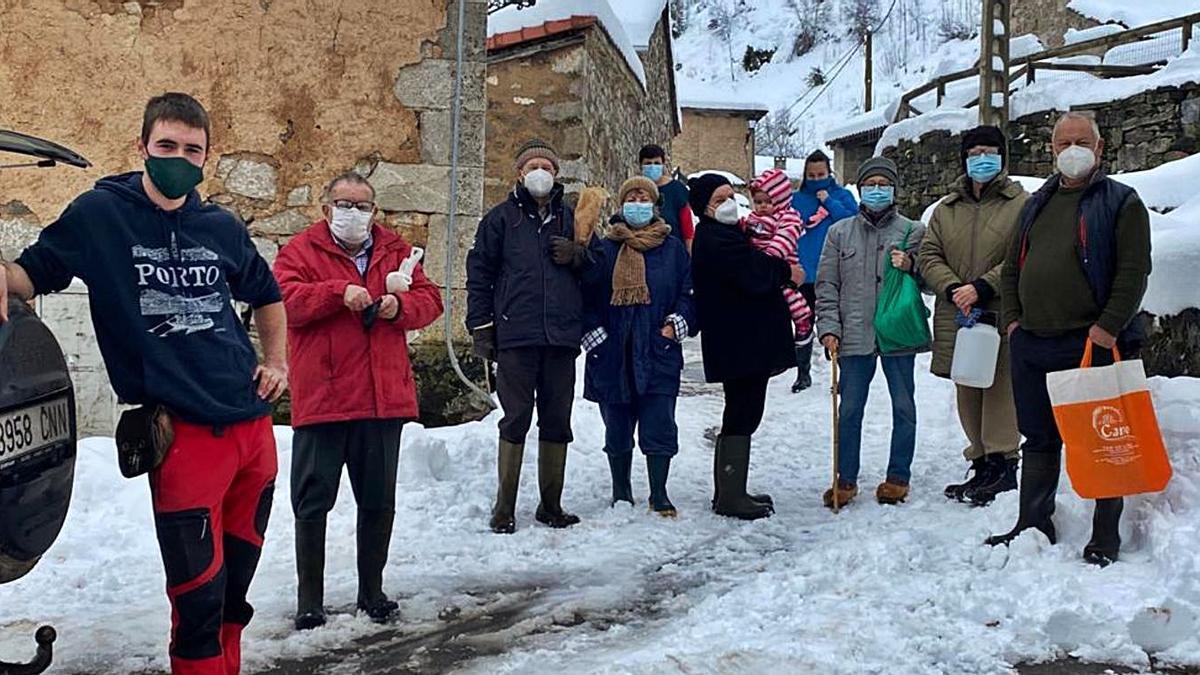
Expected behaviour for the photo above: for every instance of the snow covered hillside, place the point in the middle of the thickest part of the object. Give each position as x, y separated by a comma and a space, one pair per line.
875, 589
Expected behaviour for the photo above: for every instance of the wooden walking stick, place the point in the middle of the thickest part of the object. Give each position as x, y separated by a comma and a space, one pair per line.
833, 355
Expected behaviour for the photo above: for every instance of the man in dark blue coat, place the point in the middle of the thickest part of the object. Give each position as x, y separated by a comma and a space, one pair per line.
821, 203
524, 311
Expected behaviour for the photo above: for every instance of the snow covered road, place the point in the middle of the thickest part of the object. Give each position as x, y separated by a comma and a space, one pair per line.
900, 589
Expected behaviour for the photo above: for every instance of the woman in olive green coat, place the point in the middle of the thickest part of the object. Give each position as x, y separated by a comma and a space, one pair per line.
960, 259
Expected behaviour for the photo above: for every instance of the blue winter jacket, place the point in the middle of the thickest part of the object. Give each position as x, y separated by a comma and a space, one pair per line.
840, 205
512, 280
636, 330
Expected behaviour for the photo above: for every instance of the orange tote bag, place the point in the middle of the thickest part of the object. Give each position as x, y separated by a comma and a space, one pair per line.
1106, 419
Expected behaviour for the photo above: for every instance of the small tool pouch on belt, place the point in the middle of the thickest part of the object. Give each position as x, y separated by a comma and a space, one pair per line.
143, 436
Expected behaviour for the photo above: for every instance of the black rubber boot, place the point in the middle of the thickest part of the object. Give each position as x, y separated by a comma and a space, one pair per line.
620, 467
509, 479
1105, 546
1039, 483
978, 471
803, 367
1002, 477
552, 469
734, 462
310, 574
374, 540
658, 467
761, 499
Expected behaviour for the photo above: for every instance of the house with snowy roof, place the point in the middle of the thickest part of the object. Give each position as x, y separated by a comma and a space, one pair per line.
718, 132
594, 78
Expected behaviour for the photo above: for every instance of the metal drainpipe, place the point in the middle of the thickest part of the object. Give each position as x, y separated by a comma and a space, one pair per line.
455, 131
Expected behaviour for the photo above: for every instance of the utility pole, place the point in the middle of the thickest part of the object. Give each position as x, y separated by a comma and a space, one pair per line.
993, 63
868, 75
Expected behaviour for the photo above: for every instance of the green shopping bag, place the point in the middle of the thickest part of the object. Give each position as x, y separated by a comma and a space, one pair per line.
901, 317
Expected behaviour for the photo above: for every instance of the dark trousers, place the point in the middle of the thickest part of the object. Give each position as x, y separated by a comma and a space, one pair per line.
653, 417
745, 400
212, 499
536, 376
1032, 358
370, 451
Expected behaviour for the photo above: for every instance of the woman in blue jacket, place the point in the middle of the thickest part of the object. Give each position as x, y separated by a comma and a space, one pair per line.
821, 203
638, 311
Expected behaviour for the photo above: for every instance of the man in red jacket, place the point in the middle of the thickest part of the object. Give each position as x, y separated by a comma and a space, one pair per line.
352, 382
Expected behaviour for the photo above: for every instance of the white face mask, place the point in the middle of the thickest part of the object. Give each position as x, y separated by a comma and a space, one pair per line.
539, 182
1076, 162
727, 212
350, 226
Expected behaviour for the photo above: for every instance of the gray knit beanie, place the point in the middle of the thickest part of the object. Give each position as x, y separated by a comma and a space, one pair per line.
536, 148
879, 166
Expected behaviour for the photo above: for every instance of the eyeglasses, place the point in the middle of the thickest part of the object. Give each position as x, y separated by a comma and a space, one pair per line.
980, 151
365, 207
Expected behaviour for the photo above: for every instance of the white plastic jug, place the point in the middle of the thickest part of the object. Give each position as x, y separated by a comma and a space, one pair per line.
976, 350
401, 279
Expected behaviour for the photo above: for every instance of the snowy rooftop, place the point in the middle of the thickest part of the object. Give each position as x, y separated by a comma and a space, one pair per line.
863, 122
511, 19
640, 18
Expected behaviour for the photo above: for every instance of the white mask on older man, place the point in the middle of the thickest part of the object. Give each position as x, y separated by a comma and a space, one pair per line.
350, 226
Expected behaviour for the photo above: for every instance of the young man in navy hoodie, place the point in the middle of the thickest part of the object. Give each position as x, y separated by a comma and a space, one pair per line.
162, 269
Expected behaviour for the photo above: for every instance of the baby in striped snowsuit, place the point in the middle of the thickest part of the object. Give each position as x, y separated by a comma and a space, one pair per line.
775, 228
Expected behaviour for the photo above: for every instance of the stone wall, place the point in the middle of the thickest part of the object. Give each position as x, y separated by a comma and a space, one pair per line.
539, 95
298, 91
1141, 132
714, 141
576, 93
1047, 19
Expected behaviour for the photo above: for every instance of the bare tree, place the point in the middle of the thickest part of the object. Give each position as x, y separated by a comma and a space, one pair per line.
814, 22
861, 16
776, 134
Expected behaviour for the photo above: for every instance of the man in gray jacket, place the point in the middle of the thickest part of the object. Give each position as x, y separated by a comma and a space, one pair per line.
849, 278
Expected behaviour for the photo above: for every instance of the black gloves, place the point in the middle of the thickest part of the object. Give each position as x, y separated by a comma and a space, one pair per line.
484, 342
564, 251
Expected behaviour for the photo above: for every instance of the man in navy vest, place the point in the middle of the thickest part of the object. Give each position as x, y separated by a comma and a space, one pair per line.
1052, 309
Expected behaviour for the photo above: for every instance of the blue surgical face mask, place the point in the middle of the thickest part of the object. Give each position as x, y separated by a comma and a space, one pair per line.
983, 168
652, 171
825, 183
637, 214
878, 197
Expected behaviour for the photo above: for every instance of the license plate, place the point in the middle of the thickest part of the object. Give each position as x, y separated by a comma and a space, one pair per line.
26, 430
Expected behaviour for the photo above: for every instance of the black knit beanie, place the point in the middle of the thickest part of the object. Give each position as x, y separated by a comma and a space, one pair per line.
701, 189
987, 136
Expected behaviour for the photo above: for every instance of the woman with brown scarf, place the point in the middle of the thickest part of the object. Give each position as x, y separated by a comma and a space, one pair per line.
637, 312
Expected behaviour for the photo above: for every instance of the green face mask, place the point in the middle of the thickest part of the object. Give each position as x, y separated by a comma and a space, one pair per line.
174, 177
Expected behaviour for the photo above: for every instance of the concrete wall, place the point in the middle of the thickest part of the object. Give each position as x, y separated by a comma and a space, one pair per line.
714, 141
299, 90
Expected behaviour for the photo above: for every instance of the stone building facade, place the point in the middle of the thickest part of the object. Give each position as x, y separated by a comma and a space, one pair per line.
570, 85
1047, 19
715, 138
298, 91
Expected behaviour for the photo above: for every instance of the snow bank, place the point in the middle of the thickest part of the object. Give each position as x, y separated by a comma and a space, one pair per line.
1167, 186
954, 120
639, 17
1133, 14
510, 19
1074, 36
1024, 45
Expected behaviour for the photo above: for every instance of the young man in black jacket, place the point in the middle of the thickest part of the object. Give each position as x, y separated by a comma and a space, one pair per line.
524, 311
162, 269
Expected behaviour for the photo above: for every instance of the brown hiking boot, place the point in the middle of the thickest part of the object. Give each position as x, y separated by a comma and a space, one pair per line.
889, 492
846, 492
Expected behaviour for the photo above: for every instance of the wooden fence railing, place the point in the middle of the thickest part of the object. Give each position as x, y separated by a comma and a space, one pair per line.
1028, 66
